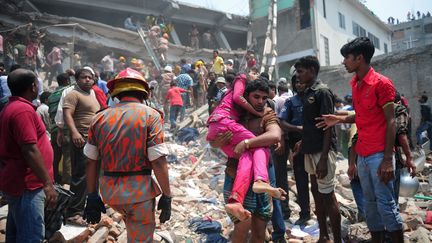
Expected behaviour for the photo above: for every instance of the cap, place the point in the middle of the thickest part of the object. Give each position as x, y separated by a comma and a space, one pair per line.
221, 80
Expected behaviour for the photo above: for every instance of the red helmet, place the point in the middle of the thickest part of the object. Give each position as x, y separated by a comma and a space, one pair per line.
127, 80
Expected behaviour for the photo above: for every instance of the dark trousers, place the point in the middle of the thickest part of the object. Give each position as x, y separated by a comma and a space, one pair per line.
277, 215
78, 181
55, 70
186, 104
281, 166
302, 185
59, 152
174, 112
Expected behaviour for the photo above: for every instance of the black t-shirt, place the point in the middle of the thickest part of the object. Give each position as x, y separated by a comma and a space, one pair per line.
318, 100
212, 90
425, 112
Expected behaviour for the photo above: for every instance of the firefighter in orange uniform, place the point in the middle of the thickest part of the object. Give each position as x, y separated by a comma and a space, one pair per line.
128, 139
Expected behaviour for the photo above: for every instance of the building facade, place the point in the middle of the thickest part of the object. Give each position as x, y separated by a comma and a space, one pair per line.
318, 27
412, 34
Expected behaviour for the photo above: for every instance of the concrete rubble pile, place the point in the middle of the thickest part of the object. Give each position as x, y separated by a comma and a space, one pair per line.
196, 176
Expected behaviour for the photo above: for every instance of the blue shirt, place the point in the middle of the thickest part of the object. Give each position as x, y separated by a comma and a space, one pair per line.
102, 84
4, 88
292, 111
185, 68
184, 81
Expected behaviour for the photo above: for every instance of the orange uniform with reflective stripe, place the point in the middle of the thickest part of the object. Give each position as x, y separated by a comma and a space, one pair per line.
122, 135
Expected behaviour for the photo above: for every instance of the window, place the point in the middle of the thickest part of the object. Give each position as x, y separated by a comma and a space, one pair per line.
374, 40
305, 19
358, 30
326, 50
428, 28
324, 9
341, 21
385, 48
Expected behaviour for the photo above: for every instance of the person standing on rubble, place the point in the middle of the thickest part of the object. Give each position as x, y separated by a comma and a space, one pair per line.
267, 133
254, 159
163, 46
54, 59
373, 96
319, 147
128, 139
291, 118
79, 107
26, 171
185, 81
194, 39
218, 64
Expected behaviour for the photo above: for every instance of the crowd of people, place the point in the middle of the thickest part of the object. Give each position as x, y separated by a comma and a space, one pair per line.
410, 17
106, 121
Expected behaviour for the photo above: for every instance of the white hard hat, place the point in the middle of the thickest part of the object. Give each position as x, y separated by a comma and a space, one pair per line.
168, 69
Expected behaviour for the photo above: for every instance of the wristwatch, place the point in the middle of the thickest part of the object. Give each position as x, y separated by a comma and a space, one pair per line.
247, 142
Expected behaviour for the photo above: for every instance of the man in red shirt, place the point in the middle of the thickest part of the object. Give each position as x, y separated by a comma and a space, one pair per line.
373, 96
173, 96
26, 161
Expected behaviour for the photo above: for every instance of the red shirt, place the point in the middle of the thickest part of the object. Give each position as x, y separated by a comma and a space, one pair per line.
100, 97
174, 96
374, 92
20, 125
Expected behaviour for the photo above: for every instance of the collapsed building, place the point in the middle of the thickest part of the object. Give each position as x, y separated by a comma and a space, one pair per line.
96, 27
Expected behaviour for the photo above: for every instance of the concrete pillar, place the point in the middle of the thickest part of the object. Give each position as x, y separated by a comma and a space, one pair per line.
222, 40
175, 37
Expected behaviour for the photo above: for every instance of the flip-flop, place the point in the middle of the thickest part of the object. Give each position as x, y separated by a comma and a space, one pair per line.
76, 220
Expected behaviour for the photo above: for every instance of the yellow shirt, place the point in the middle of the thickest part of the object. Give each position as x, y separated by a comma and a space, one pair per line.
218, 65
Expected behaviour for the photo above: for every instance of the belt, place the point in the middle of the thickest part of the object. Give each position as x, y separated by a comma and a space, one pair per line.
127, 173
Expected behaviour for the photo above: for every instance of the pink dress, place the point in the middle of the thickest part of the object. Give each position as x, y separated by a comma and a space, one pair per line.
252, 162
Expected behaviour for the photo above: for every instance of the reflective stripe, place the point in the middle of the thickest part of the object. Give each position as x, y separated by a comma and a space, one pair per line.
157, 151
91, 151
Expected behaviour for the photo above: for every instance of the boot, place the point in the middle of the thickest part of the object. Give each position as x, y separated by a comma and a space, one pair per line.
397, 236
377, 236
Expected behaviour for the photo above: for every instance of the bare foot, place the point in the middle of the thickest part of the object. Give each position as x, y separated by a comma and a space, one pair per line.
238, 211
263, 187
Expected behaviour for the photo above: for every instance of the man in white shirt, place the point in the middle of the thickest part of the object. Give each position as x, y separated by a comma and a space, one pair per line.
283, 93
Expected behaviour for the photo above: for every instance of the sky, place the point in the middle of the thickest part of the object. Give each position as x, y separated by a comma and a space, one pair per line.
398, 9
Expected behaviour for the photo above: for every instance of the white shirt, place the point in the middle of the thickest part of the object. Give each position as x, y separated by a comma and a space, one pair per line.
108, 64
280, 101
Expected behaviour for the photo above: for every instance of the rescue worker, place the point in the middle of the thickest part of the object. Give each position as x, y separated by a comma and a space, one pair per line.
128, 139
163, 46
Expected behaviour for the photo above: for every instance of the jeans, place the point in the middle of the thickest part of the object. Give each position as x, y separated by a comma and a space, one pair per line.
424, 126
78, 182
358, 196
280, 167
302, 185
396, 184
277, 216
174, 111
186, 103
382, 212
25, 219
